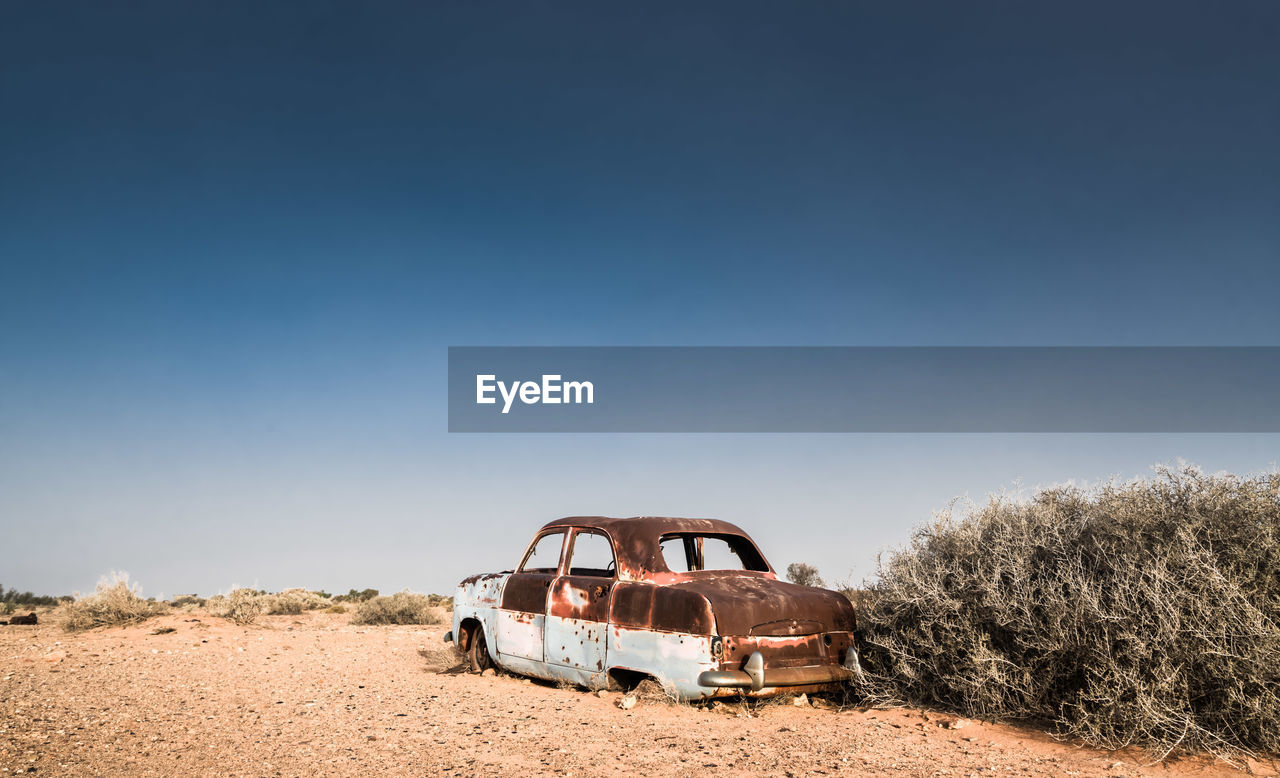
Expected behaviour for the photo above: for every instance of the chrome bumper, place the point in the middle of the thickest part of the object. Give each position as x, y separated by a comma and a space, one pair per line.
752, 675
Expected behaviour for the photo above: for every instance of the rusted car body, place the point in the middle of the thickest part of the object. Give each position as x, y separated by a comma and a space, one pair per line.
691, 603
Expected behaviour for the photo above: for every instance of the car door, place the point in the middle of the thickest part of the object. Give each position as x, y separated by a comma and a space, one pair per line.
522, 616
578, 611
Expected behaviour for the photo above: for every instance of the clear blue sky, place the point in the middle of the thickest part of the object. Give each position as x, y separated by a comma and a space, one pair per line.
236, 239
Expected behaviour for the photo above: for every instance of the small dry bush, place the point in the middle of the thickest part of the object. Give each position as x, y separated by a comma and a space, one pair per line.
242, 606
114, 603
291, 602
649, 690
400, 608
1134, 613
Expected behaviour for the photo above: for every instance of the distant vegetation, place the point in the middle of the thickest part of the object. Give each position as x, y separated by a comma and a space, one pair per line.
12, 599
400, 608
1133, 613
291, 602
188, 601
241, 605
804, 574
245, 606
116, 602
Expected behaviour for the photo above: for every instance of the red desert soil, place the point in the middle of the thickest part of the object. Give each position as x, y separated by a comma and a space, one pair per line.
312, 695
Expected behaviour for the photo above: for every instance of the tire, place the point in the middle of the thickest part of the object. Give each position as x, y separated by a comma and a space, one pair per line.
478, 652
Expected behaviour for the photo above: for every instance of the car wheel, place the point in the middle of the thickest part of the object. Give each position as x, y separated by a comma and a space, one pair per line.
479, 652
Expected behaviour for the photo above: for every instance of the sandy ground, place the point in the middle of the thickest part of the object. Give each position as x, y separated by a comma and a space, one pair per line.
313, 695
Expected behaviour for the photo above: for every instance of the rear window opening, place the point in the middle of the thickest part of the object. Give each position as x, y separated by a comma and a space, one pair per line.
690, 552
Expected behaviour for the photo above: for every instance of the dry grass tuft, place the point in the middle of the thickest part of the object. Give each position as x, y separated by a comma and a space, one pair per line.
1134, 613
400, 608
114, 603
444, 660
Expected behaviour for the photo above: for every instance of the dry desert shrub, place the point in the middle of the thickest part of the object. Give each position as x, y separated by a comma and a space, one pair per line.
400, 608
291, 602
114, 603
242, 606
1145, 613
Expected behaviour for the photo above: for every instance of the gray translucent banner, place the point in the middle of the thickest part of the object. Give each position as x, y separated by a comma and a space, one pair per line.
864, 389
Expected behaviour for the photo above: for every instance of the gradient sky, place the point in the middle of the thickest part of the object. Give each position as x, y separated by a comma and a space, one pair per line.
236, 240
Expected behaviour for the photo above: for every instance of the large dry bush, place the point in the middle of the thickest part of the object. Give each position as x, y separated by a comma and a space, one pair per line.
1134, 613
399, 608
114, 603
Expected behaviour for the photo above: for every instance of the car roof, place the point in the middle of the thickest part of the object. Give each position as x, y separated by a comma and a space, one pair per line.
648, 525
636, 539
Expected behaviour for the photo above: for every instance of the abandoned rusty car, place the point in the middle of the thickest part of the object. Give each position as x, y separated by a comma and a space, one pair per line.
690, 603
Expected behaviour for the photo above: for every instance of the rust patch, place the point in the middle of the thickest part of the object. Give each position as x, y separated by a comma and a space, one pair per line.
474, 579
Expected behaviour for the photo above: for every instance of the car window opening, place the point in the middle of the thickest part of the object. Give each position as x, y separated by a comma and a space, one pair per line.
691, 552
591, 554
544, 556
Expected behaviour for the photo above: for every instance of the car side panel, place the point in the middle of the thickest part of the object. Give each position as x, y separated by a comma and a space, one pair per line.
576, 643
577, 619
641, 605
527, 592
674, 659
523, 613
519, 634
478, 598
